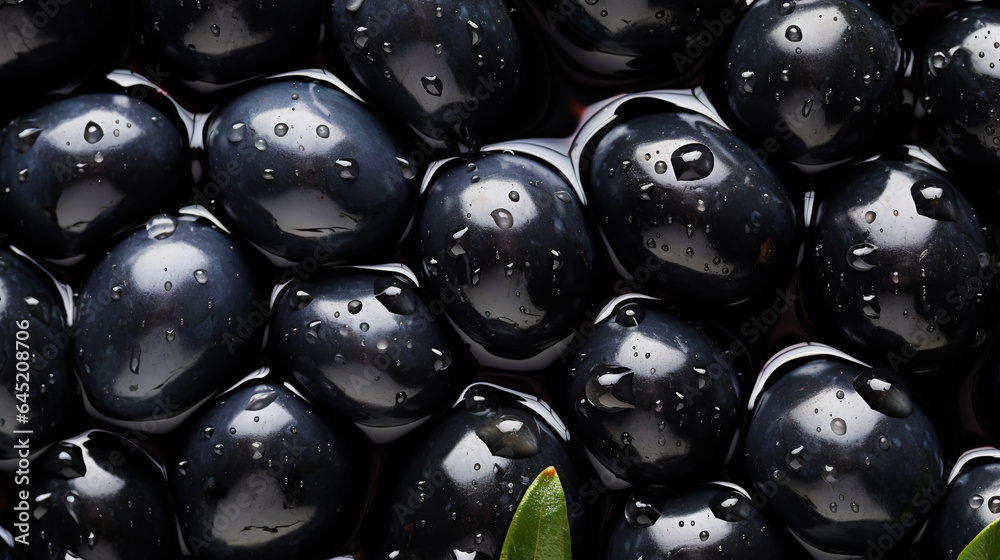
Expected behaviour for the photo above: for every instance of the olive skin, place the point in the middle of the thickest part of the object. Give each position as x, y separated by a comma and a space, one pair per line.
458, 491
51, 44
701, 522
653, 396
450, 69
260, 475
504, 244
684, 201
899, 265
961, 89
33, 332
972, 503
93, 494
296, 178
158, 320
79, 170
664, 40
225, 41
841, 451
820, 78
365, 345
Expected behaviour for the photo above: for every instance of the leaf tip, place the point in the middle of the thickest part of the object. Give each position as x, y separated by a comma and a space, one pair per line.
549, 472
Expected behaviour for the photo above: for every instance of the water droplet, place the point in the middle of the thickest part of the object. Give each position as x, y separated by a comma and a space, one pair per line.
855, 508
703, 536
455, 249
26, 139
692, 162
796, 458
510, 436
503, 218
474, 33
93, 133
976, 501
67, 463
406, 168
994, 504
260, 144
934, 201
833, 507
237, 132
182, 467
347, 168
323, 131
869, 217
401, 398
257, 450
746, 82
133, 364
563, 196
432, 85
630, 315
267, 174
442, 359
640, 512
260, 399
354, 307
839, 426
609, 389
161, 226
201, 276
216, 31
840, 395
170, 335
884, 392
353, 5
556, 259
870, 307
940, 60
280, 129
830, 474
660, 167
730, 506
786, 8
116, 293
360, 37
793, 33
856, 256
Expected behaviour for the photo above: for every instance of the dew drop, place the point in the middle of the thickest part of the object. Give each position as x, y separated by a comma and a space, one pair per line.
503, 218
260, 144
856, 256
474, 33
976, 501
280, 129
237, 132
692, 162
347, 168
639, 511
839, 426
93, 133
201, 276
432, 85
793, 33
323, 131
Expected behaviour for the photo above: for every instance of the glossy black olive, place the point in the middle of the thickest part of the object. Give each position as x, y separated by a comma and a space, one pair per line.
688, 209
93, 495
79, 170
844, 455
505, 246
296, 178
160, 321
900, 265
365, 345
653, 396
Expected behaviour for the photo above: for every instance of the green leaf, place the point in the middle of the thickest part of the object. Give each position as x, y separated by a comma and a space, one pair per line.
540, 528
986, 545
